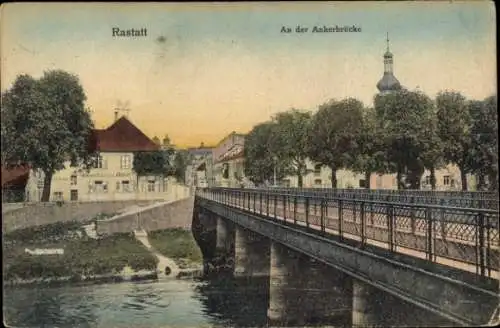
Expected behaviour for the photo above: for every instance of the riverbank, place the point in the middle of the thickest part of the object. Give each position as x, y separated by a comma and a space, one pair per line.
67, 251
70, 252
179, 245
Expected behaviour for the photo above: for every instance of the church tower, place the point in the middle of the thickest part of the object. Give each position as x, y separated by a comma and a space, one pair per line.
388, 82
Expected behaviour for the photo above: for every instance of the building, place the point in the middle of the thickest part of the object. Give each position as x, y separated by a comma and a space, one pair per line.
388, 82
16, 184
228, 162
199, 167
112, 176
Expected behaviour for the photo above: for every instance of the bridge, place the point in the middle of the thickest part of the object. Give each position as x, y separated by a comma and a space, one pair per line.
335, 251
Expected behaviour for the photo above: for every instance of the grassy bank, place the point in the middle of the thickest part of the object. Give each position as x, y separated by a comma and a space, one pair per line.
82, 254
176, 243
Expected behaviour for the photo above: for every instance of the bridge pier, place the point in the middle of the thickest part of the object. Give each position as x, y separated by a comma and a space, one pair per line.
364, 304
224, 245
251, 254
302, 290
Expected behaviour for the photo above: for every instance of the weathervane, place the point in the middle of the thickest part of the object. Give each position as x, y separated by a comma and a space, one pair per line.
123, 107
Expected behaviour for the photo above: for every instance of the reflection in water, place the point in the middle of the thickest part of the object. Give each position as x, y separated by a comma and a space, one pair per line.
220, 302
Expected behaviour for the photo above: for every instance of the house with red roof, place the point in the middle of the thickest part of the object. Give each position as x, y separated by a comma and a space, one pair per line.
112, 176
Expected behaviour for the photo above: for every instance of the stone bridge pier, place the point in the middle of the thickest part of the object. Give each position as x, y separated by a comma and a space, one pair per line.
301, 290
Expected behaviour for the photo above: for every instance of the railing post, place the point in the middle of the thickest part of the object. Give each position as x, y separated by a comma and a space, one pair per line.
254, 196
443, 221
341, 218
322, 209
390, 214
295, 209
412, 216
260, 202
267, 203
430, 238
363, 225
307, 211
372, 214
284, 207
482, 248
275, 204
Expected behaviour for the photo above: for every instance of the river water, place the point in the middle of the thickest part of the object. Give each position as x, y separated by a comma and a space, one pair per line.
221, 302
162, 303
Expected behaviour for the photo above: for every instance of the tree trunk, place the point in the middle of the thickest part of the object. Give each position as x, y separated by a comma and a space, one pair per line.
46, 186
433, 178
368, 175
463, 176
480, 181
399, 177
334, 178
299, 175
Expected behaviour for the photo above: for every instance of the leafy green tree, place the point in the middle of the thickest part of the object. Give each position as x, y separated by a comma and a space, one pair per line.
454, 126
370, 153
45, 124
484, 142
404, 115
261, 154
432, 152
333, 135
157, 163
181, 160
291, 141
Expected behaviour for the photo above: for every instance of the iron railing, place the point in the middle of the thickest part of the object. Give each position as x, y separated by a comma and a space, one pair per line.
468, 199
464, 238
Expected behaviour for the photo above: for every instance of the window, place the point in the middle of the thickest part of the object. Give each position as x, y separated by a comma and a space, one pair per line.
317, 170
117, 185
100, 186
74, 195
98, 163
286, 183
58, 195
428, 180
446, 180
73, 179
125, 161
126, 186
317, 182
151, 185
165, 185
362, 183
379, 181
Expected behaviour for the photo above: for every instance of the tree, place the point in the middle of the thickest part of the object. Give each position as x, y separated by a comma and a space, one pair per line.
45, 124
370, 152
483, 159
454, 126
261, 154
404, 116
181, 160
291, 141
333, 134
432, 152
157, 163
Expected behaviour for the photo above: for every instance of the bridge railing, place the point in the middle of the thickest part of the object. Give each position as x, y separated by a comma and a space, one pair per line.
461, 237
486, 200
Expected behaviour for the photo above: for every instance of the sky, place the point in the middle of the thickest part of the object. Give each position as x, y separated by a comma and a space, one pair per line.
227, 67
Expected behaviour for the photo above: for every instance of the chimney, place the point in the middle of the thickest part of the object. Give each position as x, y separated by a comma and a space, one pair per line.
116, 115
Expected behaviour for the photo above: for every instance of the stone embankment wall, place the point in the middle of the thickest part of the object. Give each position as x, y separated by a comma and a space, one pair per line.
176, 214
35, 214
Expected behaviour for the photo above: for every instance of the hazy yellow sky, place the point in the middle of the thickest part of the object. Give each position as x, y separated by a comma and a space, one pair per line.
227, 67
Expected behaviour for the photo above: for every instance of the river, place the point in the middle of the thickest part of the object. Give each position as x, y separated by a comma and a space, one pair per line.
222, 302
163, 303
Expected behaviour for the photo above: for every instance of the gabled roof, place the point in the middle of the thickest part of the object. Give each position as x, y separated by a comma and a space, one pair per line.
15, 176
122, 135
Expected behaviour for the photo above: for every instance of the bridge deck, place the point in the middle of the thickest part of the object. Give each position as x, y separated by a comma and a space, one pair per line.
452, 239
